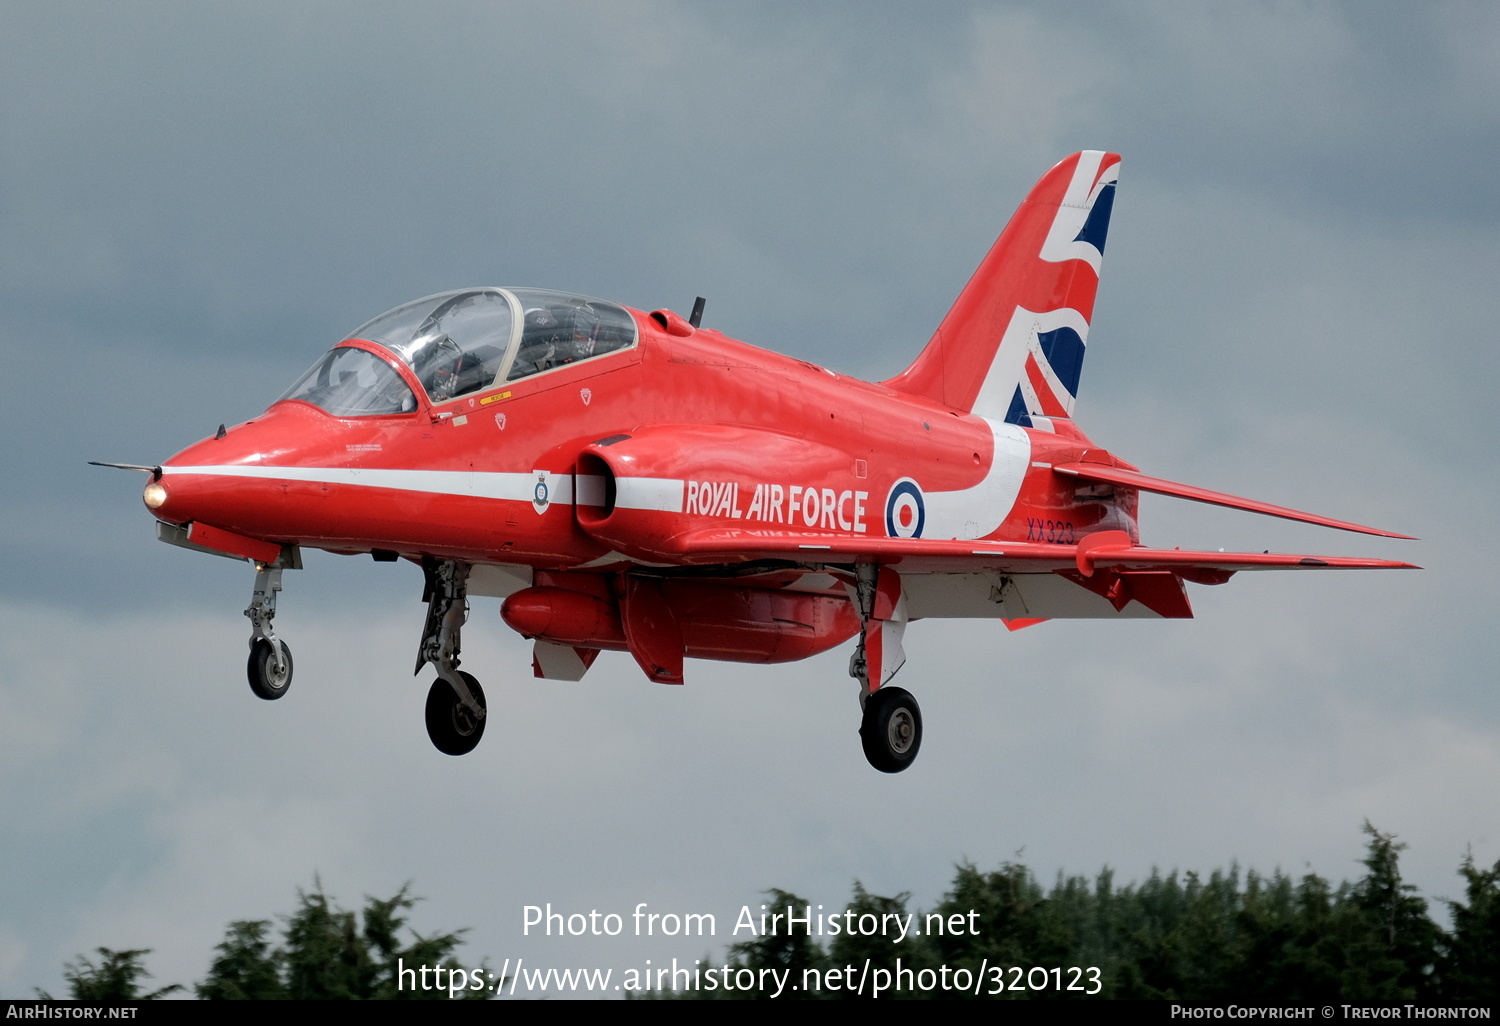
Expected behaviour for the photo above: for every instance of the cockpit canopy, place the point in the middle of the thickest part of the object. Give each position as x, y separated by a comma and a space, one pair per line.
459, 343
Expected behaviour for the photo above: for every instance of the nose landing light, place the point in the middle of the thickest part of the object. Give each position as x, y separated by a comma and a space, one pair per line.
155, 495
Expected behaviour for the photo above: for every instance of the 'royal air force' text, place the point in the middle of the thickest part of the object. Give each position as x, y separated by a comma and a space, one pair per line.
821, 508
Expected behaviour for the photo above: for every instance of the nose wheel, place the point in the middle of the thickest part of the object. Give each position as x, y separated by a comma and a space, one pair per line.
891, 730
270, 668
270, 664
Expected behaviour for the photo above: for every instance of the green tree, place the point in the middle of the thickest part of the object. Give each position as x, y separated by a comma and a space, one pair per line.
246, 969
1471, 964
1013, 922
330, 953
1400, 949
324, 956
850, 950
383, 921
114, 979
1173, 939
785, 949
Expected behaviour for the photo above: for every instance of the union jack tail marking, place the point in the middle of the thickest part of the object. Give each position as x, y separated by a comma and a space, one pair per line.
1012, 346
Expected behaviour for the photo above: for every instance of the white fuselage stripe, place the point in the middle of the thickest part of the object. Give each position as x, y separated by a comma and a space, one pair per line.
632, 493
965, 513
977, 512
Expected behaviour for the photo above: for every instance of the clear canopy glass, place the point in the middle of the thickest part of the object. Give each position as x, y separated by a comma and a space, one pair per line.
455, 341
560, 329
459, 343
349, 382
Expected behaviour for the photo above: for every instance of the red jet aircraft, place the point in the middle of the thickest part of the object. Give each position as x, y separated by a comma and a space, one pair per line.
633, 481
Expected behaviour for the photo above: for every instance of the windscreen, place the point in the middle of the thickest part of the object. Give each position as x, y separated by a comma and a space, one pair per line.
454, 342
350, 382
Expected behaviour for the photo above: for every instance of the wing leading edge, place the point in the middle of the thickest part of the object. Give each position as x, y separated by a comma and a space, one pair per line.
1105, 550
1021, 583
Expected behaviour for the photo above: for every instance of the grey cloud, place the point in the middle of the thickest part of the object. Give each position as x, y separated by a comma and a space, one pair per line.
196, 201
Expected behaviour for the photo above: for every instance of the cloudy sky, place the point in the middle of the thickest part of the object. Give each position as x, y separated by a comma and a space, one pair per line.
1298, 304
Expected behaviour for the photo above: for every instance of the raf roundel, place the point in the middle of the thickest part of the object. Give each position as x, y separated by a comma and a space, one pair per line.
905, 513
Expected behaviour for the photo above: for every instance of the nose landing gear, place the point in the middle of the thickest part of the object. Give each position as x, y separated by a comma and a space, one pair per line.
455, 702
270, 666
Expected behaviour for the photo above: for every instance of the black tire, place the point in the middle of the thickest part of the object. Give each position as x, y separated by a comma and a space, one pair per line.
261, 669
891, 730
450, 726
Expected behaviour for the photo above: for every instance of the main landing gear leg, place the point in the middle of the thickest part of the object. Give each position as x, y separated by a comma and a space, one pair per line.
270, 665
455, 702
891, 728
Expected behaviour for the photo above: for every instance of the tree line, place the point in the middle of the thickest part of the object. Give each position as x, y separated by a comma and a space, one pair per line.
326, 953
1229, 937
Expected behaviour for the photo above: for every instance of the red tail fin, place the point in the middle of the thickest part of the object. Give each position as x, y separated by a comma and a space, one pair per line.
1012, 346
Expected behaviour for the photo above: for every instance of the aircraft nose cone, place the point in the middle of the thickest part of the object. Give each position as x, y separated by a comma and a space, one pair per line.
178, 498
220, 479
155, 495
174, 499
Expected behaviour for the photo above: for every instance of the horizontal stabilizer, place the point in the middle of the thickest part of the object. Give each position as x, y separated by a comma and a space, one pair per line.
1161, 486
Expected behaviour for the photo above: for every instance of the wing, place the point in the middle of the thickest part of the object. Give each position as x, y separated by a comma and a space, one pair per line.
1105, 550
1102, 577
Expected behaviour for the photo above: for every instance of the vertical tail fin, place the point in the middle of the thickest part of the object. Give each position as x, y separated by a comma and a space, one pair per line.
1012, 345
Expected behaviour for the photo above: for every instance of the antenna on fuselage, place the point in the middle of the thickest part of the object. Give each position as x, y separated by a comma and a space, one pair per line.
697, 318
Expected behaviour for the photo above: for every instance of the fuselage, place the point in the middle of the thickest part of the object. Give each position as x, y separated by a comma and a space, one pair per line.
631, 481
744, 438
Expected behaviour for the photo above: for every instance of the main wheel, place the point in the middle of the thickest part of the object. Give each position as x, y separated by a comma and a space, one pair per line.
452, 728
891, 730
264, 680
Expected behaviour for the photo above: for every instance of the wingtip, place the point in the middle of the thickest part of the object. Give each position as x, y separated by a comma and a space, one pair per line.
1377, 532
